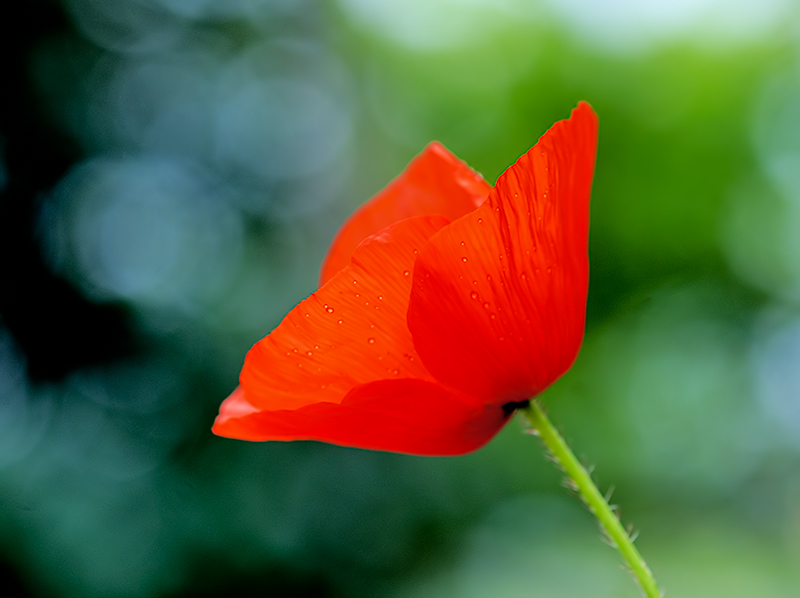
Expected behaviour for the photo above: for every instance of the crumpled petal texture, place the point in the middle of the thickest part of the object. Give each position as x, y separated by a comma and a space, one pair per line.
499, 297
440, 309
363, 385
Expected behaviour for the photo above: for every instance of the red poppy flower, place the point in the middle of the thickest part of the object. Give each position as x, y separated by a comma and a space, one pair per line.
443, 304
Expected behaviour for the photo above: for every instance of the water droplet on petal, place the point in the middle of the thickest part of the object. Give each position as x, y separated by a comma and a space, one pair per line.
406, 273
395, 371
488, 278
309, 353
474, 295
463, 259
380, 297
340, 321
486, 304
480, 220
370, 340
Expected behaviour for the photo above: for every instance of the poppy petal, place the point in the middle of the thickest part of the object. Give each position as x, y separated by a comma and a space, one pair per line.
351, 331
434, 182
235, 406
498, 304
403, 416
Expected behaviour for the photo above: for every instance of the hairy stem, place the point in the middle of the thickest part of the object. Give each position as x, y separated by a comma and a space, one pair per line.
596, 502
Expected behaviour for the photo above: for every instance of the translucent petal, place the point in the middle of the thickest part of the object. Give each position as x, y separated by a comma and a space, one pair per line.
351, 331
435, 182
499, 298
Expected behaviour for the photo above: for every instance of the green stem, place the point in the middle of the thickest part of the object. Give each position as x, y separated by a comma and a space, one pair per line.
596, 502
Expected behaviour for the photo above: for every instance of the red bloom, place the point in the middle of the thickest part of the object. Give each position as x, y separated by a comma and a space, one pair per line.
438, 311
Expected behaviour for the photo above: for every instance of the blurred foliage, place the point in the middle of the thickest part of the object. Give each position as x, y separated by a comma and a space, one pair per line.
171, 173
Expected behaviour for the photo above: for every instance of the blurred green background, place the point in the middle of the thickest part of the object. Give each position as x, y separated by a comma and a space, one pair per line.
171, 174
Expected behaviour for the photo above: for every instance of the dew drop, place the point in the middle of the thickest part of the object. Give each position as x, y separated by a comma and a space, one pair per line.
474, 295
488, 278
371, 340
322, 387
294, 350
395, 372
308, 315
309, 353
357, 295
415, 252
480, 220
341, 321
406, 273
463, 259
355, 282
329, 310
492, 316
380, 297
486, 304
316, 346
523, 276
